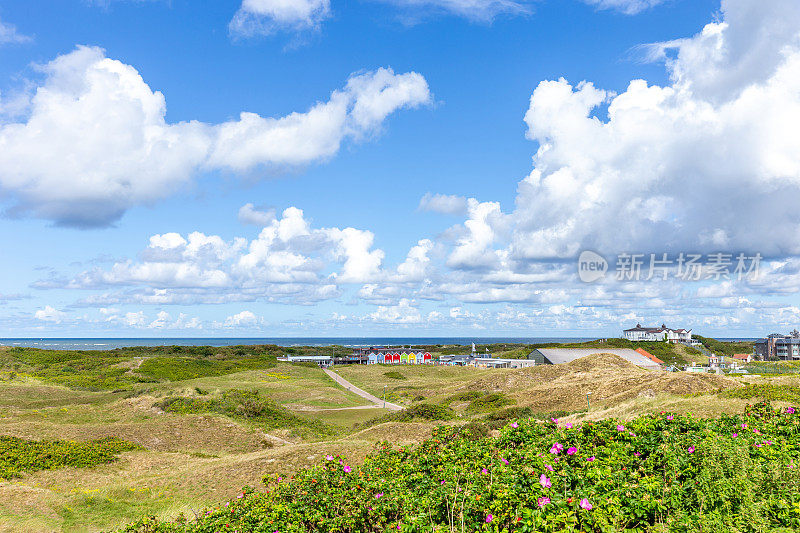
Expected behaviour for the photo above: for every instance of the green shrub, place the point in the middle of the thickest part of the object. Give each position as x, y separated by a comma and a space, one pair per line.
20, 455
394, 374
785, 393
655, 473
489, 402
243, 405
420, 411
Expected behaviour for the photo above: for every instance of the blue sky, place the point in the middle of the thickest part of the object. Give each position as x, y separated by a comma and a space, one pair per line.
448, 158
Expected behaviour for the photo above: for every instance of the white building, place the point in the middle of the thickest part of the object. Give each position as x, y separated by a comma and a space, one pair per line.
664, 334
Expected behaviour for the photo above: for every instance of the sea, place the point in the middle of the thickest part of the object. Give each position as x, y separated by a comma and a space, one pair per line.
112, 343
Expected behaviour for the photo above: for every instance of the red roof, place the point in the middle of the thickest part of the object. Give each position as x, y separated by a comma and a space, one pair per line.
650, 356
742, 356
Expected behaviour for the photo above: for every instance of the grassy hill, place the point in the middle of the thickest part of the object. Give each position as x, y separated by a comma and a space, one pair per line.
199, 424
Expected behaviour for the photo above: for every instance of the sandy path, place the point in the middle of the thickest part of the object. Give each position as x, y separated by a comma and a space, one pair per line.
364, 394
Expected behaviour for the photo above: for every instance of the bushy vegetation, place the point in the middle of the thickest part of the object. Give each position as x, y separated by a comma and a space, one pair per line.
164, 368
773, 367
725, 348
479, 401
394, 374
784, 393
660, 472
19, 455
123, 368
244, 405
420, 411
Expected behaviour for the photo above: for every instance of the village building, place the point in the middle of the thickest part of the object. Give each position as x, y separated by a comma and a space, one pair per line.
663, 334
777, 347
558, 356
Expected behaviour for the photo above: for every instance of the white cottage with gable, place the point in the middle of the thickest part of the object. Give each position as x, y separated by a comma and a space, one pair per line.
663, 334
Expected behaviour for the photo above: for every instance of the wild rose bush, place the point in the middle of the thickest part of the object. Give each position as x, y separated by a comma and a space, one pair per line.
662, 472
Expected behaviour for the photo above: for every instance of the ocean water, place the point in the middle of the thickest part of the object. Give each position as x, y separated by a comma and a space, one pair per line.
111, 343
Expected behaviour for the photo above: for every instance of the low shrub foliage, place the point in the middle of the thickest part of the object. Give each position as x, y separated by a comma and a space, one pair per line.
660, 472
19, 455
244, 405
785, 393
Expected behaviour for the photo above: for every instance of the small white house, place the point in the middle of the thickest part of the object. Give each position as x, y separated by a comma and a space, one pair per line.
662, 334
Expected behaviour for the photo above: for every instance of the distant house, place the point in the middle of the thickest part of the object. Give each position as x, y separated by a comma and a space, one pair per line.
777, 347
743, 357
491, 362
455, 359
321, 360
663, 334
557, 356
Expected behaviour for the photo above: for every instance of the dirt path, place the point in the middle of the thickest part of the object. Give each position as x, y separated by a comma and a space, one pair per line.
364, 394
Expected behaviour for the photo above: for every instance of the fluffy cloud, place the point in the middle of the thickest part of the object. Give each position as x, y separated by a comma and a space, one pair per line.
96, 142
288, 260
248, 214
243, 319
695, 165
261, 17
446, 204
10, 35
629, 7
49, 314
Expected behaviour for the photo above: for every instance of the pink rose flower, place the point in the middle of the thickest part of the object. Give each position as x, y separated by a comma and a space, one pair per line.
586, 505
544, 481
572, 450
544, 500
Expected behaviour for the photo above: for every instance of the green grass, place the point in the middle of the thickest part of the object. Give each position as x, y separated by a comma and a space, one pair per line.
165, 368
126, 368
245, 405
420, 411
19, 455
479, 401
725, 348
784, 393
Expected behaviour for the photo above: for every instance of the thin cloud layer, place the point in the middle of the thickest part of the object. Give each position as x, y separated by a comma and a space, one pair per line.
95, 141
10, 35
629, 7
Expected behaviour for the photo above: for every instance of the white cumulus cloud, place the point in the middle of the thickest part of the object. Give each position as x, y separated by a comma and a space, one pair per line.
694, 165
96, 142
